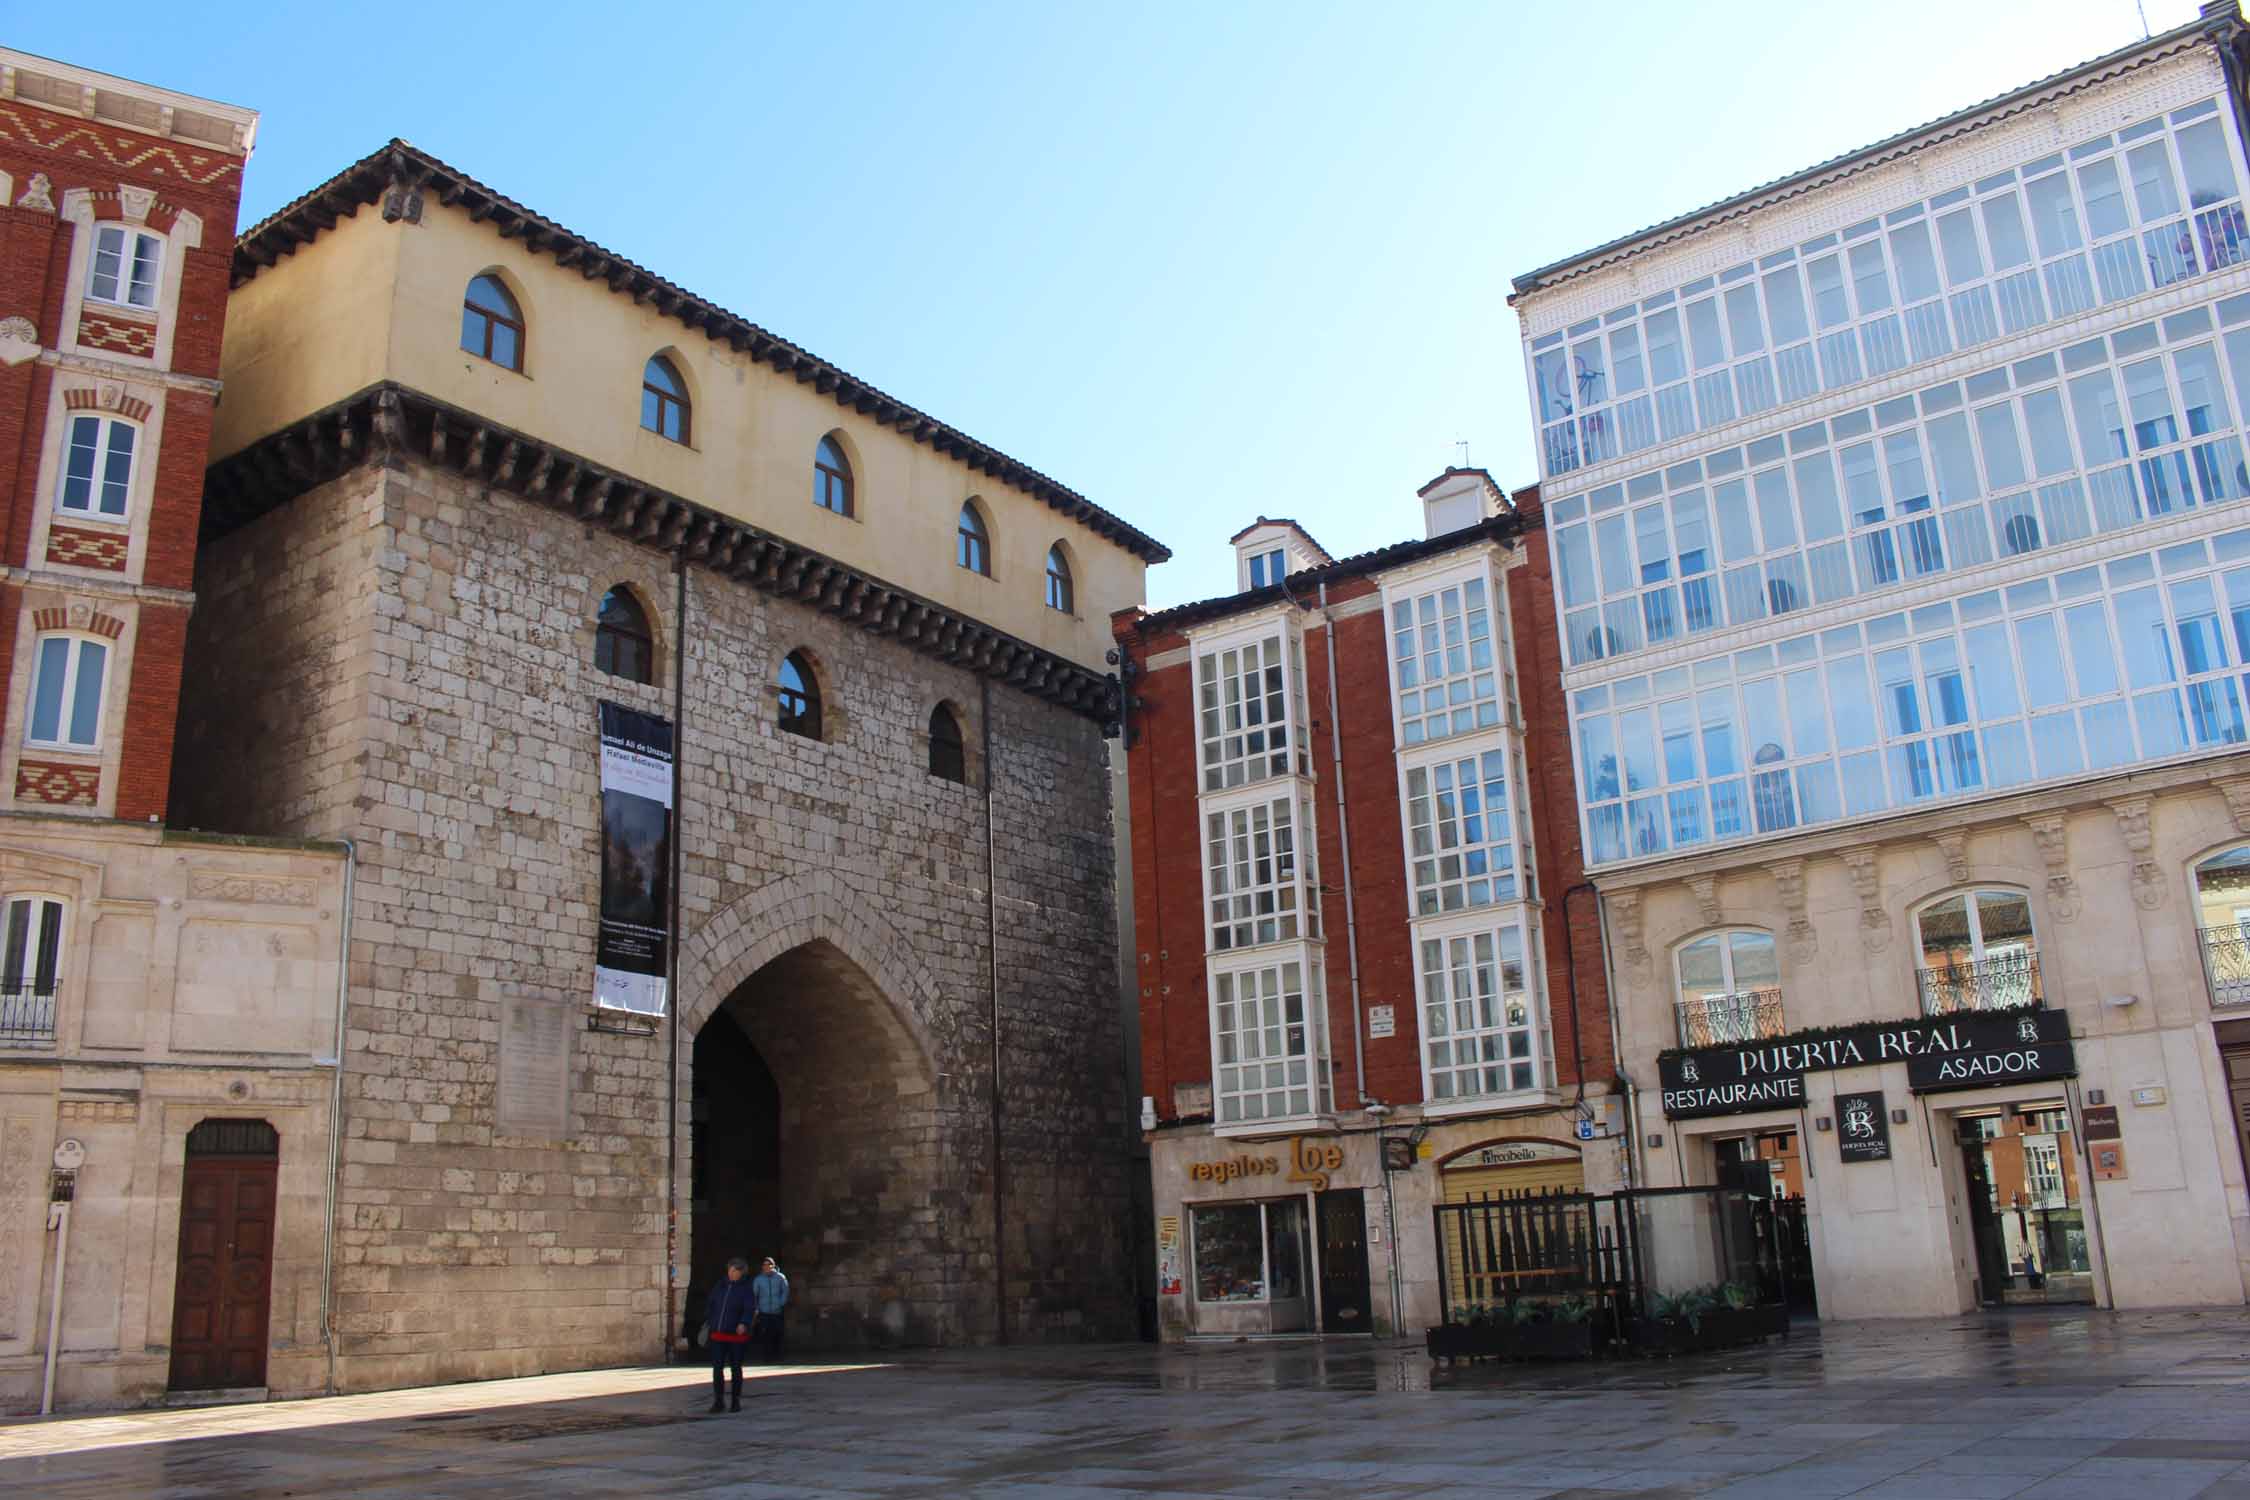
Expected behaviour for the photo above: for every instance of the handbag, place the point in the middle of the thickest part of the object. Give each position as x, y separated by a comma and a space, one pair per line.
703, 1335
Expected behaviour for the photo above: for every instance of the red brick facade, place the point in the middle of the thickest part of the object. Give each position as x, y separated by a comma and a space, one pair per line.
1167, 845
62, 353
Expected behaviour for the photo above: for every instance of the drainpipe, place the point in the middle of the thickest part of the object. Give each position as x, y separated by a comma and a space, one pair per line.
1636, 1167
1570, 978
672, 1288
336, 1118
992, 940
58, 1219
1344, 833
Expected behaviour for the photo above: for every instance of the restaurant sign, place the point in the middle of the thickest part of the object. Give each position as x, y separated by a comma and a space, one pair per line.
1969, 1049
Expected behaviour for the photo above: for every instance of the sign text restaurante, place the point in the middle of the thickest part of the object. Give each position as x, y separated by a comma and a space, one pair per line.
1969, 1049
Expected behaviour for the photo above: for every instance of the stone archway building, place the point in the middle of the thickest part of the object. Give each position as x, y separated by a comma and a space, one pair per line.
396, 641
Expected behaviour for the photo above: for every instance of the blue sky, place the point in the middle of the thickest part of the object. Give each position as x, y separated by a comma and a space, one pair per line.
1199, 263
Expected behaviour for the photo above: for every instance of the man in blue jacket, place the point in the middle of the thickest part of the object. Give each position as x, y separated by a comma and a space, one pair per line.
728, 1313
770, 1294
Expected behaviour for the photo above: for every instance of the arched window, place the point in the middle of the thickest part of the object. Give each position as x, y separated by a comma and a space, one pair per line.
972, 544
2222, 911
97, 476
664, 400
66, 692
798, 693
832, 477
1730, 988
1977, 952
1061, 595
491, 323
623, 644
947, 756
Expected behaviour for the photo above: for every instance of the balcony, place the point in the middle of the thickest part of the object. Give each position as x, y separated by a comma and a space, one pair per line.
27, 1017
2004, 981
2226, 965
1717, 1020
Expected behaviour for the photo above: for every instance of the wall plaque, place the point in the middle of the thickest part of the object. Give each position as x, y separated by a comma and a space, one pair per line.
534, 1092
2099, 1122
1382, 1021
1863, 1130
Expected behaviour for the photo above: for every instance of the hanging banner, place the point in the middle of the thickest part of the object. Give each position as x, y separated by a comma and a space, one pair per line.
636, 861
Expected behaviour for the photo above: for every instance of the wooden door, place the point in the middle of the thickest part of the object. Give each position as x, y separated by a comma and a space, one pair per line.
1343, 1262
222, 1302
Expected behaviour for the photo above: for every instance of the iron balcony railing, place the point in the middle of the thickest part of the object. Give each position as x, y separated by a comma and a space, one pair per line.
2226, 965
1716, 1020
27, 1017
2004, 982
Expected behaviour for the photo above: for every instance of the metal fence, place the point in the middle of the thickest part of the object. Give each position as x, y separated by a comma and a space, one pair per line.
27, 1018
1744, 1016
1616, 1249
2007, 982
2226, 965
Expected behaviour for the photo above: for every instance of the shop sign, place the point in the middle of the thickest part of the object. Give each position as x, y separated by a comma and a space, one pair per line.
1970, 1049
1863, 1130
1514, 1154
1233, 1167
2099, 1122
1310, 1161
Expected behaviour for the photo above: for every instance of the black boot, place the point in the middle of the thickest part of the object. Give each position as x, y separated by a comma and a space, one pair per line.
737, 1405
718, 1390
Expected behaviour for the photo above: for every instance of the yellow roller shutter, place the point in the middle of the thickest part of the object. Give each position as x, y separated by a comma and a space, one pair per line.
1536, 1177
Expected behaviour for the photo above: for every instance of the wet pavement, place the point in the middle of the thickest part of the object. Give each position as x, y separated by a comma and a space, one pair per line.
2053, 1405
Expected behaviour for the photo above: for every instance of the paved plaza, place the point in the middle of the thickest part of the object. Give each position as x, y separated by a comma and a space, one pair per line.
2054, 1405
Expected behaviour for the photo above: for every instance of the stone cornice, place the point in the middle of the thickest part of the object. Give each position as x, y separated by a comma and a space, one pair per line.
404, 180
394, 426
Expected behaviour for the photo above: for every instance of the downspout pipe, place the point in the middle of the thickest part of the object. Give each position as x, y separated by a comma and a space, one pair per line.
672, 1288
992, 950
1570, 978
1344, 834
336, 1118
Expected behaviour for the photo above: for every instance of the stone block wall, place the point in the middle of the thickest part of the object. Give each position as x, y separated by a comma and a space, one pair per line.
404, 658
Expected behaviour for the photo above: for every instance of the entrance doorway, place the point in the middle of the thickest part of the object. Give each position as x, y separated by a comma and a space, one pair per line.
1344, 1289
2019, 1165
816, 1138
222, 1299
1769, 1165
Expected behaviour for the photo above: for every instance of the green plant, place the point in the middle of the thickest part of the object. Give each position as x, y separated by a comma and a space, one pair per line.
1522, 1312
1737, 1296
1688, 1306
1572, 1309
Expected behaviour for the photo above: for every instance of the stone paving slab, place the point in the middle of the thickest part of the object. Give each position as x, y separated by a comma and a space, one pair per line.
2047, 1406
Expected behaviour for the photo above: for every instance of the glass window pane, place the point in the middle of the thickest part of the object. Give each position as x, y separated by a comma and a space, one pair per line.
2101, 423
2203, 161
2153, 192
2004, 232
1917, 265
1785, 305
86, 693
2054, 217
1964, 258
53, 672
2105, 198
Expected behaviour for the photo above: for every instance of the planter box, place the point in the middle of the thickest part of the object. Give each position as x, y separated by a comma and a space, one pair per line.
1720, 1328
1512, 1341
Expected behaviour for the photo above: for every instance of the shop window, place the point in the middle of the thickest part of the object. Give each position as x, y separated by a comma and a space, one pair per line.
797, 692
1730, 989
491, 323
1250, 1252
664, 400
1977, 952
623, 645
66, 692
97, 479
1062, 594
832, 477
30, 962
949, 759
126, 266
972, 542
2222, 898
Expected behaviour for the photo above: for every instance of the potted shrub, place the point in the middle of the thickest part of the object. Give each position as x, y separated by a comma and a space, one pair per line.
1563, 1329
1675, 1323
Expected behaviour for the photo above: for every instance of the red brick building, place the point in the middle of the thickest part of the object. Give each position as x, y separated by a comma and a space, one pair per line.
1361, 931
115, 240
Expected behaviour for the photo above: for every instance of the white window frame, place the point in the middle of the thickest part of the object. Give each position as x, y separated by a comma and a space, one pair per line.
1220, 719
1298, 1048
1442, 993
106, 428
1411, 612
73, 664
128, 242
17, 966
1254, 834
1424, 825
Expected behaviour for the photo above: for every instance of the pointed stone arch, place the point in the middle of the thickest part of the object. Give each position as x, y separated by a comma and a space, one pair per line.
741, 938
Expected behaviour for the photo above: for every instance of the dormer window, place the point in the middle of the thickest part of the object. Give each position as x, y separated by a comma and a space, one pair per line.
1267, 568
